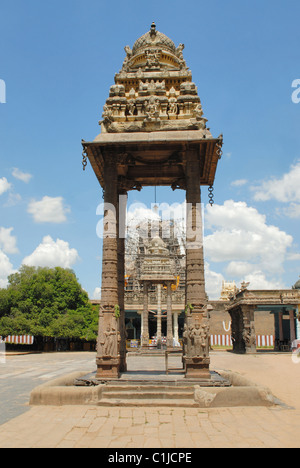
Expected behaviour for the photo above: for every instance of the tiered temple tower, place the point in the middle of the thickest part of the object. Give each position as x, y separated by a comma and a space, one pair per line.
153, 132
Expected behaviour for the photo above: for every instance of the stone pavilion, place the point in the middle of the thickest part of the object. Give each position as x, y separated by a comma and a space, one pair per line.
153, 132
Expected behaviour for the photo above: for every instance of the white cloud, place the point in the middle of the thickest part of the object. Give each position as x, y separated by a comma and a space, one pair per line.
239, 182
48, 210
13, 199
51, 254
6, 269
213, 282
286, 189
242, 237
238, 269
97, 294
4, 185
258, 280
23, 176
8, 243
293, 256
292, 211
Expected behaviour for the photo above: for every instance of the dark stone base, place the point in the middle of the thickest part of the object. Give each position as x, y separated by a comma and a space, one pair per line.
135, 378
107, 368
197, 368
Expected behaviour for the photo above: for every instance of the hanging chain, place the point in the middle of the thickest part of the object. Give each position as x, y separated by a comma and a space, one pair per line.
84, 158
219, 147
219, 154
211, 195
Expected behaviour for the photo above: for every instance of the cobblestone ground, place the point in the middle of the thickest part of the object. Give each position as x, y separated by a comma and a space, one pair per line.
89, 426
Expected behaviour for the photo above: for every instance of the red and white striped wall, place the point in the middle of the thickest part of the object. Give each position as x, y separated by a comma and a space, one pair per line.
220, 340
264, 340
19, 339
225, 340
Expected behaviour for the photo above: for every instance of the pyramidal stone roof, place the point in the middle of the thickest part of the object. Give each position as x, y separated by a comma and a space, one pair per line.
154, 38
154, 90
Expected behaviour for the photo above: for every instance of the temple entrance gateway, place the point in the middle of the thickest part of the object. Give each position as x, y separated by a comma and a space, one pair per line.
282, 304
153, 133
157, 268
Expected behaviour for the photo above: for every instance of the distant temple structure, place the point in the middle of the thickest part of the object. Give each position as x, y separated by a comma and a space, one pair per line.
155, 287
243, 318
228, 289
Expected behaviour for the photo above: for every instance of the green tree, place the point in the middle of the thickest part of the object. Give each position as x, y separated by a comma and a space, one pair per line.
47, 302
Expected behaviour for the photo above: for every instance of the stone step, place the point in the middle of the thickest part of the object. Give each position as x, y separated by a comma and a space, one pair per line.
148, 388
147, 395
180, 403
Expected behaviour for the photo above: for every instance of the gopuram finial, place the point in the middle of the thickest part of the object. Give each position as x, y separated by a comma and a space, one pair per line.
153, 29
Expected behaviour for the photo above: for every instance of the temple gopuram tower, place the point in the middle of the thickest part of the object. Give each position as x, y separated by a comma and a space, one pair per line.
153, 132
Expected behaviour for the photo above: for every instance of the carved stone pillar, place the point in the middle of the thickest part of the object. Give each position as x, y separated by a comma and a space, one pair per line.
145, 330
292, 325
197, 326
297, 323
108, 343
122, 204
237, 327
249, 335
280, 317
169, 316
158, 334
175, 326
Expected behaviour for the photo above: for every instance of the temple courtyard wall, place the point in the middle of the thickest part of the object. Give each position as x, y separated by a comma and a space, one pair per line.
220, 320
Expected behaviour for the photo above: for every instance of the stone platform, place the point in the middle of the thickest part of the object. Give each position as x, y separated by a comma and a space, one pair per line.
173, 379
112, 427
223, 390
147, 384
145, 388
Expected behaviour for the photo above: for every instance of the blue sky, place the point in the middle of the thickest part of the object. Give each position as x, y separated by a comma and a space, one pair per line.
58, 60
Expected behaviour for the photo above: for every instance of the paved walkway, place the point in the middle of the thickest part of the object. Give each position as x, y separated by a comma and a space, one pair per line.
91, 426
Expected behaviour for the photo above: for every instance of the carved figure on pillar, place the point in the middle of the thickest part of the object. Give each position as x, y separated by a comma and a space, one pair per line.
196, 339
111, 344
249, 337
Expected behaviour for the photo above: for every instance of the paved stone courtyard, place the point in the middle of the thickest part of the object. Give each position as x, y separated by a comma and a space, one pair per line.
92, 426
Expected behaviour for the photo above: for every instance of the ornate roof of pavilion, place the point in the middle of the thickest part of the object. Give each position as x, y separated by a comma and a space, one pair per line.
153, 38
154, 90
151, 118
